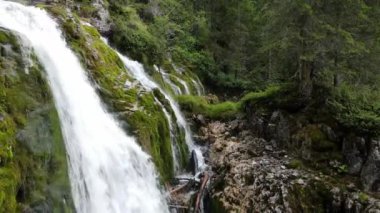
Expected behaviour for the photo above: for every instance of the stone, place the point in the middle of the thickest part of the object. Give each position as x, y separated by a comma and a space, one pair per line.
200, 119
278, 129
354, 152
301, 181
370, 174
102, 20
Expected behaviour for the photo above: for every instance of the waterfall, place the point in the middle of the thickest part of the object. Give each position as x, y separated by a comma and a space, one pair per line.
199, 87
177, 90
108, 171
172, 136
184, 84
137, 70
197, 83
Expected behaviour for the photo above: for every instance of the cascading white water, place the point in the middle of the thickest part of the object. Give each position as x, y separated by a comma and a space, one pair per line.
137, 70
198, 86
184, 84
166, 77
172, 136
108, 171
197, 83
177, 90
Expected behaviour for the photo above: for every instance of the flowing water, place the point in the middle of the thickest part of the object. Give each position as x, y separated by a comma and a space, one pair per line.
172, 136
184, 84
198, 86
137, 70
108, 171
177, 90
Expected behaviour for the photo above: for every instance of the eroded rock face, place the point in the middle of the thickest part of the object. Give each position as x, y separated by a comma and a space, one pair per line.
102, 21
278, 129
370, 174
251, 175
320, 144
354, 150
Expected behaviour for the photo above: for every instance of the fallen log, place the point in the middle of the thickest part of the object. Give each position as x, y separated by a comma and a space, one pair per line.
205, 179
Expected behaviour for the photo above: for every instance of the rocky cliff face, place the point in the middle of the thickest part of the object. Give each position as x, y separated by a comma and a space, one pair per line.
325, 147
252, 174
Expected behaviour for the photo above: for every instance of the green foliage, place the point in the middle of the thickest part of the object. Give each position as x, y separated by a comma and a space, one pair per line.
357, 107
132, 36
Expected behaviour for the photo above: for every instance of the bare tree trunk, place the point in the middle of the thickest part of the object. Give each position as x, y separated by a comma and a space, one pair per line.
305, 77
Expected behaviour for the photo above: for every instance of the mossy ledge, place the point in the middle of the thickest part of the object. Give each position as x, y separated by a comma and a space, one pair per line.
33, 166
223, 110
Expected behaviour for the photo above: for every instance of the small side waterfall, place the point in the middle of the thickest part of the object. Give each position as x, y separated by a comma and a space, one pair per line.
184, 84
177, 90
199, 87
137, 70
108, 171
172, 135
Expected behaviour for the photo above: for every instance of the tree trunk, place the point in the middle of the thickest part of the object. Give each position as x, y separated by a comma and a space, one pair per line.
306, 79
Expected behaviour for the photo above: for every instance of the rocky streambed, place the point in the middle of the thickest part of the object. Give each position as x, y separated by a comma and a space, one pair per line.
253, 174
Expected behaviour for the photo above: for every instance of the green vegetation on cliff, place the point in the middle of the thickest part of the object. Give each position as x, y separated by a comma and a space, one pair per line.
33, 166
143, 116
328, 51
227, 109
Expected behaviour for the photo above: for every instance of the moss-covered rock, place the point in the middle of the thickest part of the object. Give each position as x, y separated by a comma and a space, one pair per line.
33, 166
134, 105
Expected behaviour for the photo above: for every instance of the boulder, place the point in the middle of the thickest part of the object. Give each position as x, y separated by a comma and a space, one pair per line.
370, 174
278, 129
354, 152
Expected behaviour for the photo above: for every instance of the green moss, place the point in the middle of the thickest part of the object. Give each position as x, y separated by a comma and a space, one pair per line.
269, 92
157, 77
199, 105
224, 110
29, 125
137, 107
315, 197
363, 197
295, 164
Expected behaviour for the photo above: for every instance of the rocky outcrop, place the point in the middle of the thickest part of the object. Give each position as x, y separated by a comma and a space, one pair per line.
320, 144
251, 174
354, 150
102, 20
370, 174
